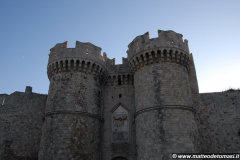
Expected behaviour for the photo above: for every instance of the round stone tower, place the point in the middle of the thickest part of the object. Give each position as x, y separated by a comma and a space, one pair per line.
72, 118
163, 72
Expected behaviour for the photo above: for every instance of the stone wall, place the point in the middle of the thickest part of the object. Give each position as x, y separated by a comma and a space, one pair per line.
72, 124
22, 115
165, 122
21, 119
118, 132
219, 116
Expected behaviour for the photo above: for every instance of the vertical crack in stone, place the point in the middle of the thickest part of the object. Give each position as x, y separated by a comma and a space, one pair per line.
160, 115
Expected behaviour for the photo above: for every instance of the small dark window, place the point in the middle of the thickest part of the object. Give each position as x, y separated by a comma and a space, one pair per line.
120, 95
239, 132
119, 80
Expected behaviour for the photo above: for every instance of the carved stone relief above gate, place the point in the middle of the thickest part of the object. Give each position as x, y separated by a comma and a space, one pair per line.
120, 125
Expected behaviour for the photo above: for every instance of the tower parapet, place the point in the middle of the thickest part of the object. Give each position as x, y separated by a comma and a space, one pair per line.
85, 57
168, 46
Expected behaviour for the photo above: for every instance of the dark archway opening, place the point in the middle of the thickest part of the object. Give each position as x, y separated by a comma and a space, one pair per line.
119, 158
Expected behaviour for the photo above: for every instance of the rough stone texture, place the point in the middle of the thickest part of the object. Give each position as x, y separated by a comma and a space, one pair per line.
21, 119
165, 122
72, 125
146, 108
119, 91
160, 133
70, 137
219, 127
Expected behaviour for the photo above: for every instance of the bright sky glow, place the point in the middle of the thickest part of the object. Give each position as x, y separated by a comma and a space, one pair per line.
28, 29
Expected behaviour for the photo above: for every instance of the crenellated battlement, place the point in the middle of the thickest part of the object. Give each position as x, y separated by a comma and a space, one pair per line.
165, 39
119, 74
83, 50
168, 46
85, 57
120, 79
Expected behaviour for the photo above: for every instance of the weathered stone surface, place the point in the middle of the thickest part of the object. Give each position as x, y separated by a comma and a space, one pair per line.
70, 136
219, 117
165, 121
21, 119
72, 124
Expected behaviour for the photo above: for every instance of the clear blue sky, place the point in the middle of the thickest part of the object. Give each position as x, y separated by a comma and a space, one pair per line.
29, 28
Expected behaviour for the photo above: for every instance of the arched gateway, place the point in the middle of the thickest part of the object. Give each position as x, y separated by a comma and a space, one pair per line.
119, 158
